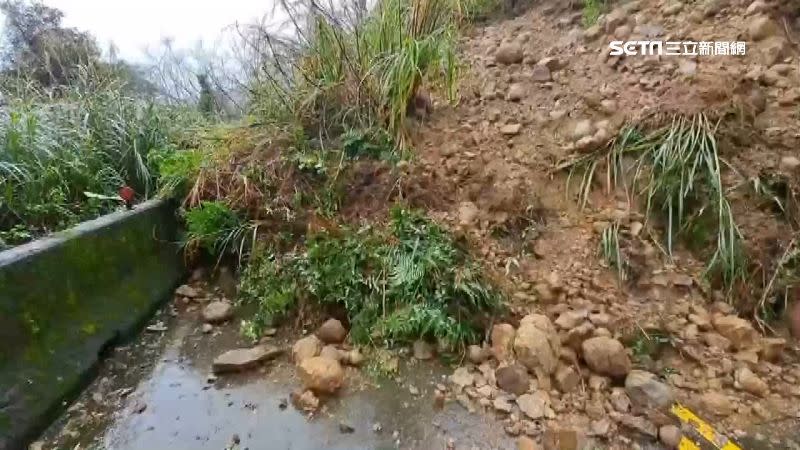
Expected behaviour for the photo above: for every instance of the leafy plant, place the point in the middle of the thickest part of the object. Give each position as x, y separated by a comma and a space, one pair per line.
398, 284
214, 227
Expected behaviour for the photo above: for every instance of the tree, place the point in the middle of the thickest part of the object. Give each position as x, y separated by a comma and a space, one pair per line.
37, 46
206, 102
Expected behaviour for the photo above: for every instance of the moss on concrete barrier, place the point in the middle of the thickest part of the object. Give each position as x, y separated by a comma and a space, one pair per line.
66, 298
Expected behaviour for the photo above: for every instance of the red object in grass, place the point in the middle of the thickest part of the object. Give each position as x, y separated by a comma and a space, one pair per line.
127, 195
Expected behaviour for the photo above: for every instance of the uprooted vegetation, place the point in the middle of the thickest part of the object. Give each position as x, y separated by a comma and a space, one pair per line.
398, 283
676, 168
335, 105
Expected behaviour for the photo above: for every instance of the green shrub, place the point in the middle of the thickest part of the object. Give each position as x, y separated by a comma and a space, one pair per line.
398, 284
214, 227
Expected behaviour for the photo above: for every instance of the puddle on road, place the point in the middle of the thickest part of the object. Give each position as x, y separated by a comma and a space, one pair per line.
172, 405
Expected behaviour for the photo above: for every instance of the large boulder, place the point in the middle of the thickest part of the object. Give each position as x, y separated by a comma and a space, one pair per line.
307, 347
502, 341
331, 332
606, 356
536, 344
513, 378
244, 358
646, 391
321, 375
738, 331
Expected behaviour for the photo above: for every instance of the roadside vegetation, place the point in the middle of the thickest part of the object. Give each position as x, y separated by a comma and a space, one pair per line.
341, 91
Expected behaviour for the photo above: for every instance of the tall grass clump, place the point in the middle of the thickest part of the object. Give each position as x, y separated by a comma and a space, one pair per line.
676, 168
86, 138
346, 71
408, 281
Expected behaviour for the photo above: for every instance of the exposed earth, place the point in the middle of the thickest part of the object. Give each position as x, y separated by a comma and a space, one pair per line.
583, 361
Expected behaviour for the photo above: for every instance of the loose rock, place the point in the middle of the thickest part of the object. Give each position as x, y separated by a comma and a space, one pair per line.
508, 53
477, 354
462, 377
513, 378
606, 356
244, 358
737, 330
305, 348
217, 312
187, 291
534, 405
536, 344
670, 436
332, 332
717, 403
502, 341
747, 381
422, 350
647, 392
304, 400
321, 375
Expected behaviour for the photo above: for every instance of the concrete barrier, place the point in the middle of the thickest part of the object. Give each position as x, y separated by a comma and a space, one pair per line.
65, 299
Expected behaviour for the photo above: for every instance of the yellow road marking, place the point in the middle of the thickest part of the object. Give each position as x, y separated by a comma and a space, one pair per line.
703, 429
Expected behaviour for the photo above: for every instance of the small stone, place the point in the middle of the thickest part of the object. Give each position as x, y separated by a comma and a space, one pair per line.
606, 356
570, 319
508, 53
377, 427
467, 214
639, 424
331, 332
477, 354
620, 401
756, 7
346, 428
423, 350
516, 92
670, 436
716, 341
567, 379
462, 377
761, 27
646, 391
304, 400
187, 291
513, 378
541, 74
244, 358
217, 312
354, 357
512, 129
534, 405
772, 349
321, 375
737, 330
582, 129
307, 347
502, 338
789, 163
717, 403
503, 404
207, 328
600, 427
622, 32
747, 381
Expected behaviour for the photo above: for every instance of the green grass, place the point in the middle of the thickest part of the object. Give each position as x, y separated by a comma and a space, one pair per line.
91, 139
611, 252
344, 74
592, 9
407, 281
677, 170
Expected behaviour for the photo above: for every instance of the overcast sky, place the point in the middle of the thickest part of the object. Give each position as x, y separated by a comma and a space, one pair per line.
135, 24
